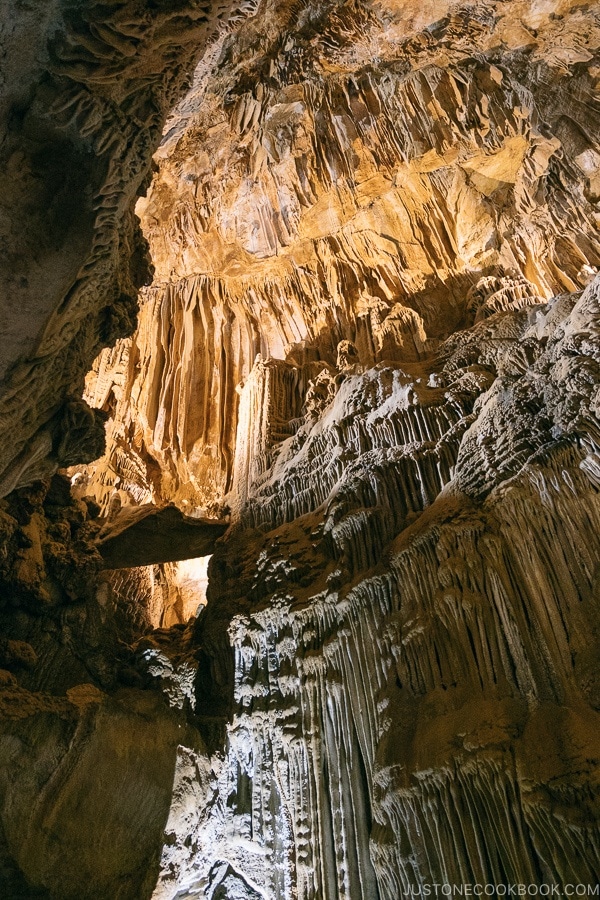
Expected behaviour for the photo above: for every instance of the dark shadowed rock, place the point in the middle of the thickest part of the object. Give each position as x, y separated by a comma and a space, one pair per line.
145, 536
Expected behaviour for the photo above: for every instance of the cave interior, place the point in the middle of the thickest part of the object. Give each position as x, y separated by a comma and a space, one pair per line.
299, 449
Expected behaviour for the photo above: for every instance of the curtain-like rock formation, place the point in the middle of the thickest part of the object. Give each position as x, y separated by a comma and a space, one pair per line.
415, 694
309, 192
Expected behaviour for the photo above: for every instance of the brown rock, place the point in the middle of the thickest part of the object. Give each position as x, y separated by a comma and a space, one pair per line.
17, 654
144, 535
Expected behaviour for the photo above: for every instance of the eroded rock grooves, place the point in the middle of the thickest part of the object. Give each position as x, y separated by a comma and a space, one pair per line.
372, 342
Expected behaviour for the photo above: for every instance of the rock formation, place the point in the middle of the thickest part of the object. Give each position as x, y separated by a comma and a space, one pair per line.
145, 536
83, 99
306, 195
415, 700
371, 350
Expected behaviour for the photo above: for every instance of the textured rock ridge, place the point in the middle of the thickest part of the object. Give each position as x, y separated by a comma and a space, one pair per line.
415, 696
148, 536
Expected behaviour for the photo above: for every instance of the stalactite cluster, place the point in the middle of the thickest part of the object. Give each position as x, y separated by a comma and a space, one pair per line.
414, 697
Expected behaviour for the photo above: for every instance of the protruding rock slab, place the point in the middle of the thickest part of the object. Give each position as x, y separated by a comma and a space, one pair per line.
145, 536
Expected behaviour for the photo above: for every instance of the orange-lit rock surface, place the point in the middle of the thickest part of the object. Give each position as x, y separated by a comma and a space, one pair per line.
347, 173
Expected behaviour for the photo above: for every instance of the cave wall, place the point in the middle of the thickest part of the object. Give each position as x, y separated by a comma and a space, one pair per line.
85, 91
410, 585
415, 679
89, 756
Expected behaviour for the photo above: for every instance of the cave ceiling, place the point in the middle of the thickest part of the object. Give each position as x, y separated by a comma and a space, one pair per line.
347, 172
